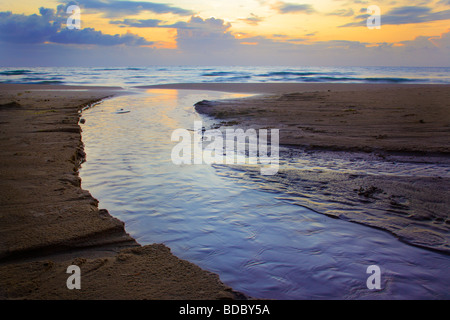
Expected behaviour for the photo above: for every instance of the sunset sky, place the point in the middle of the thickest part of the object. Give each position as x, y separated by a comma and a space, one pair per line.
231, 32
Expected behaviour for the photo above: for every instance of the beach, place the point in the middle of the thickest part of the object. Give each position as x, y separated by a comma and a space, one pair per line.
394, 123
48, 222
249, 150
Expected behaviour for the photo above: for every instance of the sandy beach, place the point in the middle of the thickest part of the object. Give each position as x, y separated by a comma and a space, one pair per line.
48, 222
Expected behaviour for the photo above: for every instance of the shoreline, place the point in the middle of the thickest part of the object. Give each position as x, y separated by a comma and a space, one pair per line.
49, 222
390, 123
271, 88
336, 102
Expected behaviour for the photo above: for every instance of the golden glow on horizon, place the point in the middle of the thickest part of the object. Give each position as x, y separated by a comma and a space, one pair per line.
26, 6
258, 18
168, 98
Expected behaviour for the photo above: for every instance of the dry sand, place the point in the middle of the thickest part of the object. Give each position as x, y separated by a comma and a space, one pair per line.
47, 222
389, 122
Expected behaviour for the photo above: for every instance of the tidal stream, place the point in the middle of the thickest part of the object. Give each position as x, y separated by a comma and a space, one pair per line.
258, 242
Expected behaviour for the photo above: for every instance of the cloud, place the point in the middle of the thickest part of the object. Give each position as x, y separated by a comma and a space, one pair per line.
50, 27
277, 35
253, 19
148, 23
119, 8
284, 8
41, 39
15, 28
441, 42
404, 15
342, 13
91, 36
205, 34
422, 51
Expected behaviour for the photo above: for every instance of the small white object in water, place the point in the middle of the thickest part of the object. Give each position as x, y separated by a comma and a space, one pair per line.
122, 111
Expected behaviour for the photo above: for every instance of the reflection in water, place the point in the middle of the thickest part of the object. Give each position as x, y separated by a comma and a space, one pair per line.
257, 242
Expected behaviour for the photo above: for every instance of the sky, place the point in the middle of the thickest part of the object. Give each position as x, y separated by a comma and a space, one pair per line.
225, 32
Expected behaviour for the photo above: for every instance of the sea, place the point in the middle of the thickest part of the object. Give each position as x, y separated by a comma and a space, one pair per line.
138, 76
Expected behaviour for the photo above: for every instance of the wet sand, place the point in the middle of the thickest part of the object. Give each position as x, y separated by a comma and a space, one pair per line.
47, 222
395, 123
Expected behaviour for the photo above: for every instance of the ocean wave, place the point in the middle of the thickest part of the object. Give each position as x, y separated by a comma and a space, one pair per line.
50, 82
287, 73
166, 74
347, 79
31, 79
111, 69
15, 72
108, 69
118, 69
239, 78
228, 79
32, 82
219, 74
391, 80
